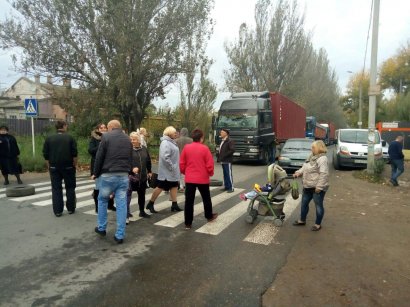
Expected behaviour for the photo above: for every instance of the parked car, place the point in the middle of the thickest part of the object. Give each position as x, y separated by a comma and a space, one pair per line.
385, 150
294, 153
351, 148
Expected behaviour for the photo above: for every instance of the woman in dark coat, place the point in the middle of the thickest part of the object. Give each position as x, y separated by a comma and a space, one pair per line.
141, 166
9, 152
95, 141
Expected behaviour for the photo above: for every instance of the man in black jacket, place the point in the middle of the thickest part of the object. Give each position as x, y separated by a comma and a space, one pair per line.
397, 159
113, 162
225, 157
60, 153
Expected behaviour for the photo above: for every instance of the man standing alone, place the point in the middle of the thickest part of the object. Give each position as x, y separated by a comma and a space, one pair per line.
60, 153
113, 162
225, 157
397, 159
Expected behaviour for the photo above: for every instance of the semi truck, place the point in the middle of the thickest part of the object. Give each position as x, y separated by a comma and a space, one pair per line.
314, 130
330, 132
259, 122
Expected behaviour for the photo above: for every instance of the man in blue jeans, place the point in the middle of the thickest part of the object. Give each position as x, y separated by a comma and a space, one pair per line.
113, 162
225, 157
397, 159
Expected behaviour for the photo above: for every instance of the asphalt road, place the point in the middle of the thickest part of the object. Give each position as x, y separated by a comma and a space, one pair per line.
49, 261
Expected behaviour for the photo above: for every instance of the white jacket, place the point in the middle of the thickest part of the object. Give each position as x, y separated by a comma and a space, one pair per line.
315, 173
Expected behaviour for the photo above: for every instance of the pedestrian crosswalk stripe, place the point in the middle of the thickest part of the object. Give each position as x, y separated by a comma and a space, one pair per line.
224, 220
39, 184
178, 218
265, 232
48, 202
20, 199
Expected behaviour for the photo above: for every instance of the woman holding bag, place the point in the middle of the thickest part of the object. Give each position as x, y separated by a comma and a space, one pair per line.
315, 179
141, 171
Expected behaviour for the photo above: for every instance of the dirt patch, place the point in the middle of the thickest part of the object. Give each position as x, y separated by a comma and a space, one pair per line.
360, 257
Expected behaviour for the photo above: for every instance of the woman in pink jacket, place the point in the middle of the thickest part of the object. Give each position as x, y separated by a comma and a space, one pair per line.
197, 164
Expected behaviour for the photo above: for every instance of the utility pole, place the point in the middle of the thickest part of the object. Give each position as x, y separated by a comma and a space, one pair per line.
360, 123
374, 90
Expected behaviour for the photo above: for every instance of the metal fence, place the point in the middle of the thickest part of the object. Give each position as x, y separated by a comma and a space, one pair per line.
22, 127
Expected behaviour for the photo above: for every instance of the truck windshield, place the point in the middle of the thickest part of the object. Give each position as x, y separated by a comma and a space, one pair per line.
357, 136
245, 119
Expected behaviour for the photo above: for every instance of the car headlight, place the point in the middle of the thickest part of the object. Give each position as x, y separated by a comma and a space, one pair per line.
344, 150
253, 149
282, 158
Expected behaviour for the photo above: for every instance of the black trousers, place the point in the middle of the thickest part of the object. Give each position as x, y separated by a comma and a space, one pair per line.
57, 175
140, 189
190, 189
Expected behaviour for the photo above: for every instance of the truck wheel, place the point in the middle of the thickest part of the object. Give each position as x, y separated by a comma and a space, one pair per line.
265, 157
19, 191
336, 164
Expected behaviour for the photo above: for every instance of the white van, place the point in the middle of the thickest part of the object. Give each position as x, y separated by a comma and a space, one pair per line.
351, 148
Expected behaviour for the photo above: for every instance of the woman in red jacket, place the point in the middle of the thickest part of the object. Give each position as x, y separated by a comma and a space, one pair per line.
197, 164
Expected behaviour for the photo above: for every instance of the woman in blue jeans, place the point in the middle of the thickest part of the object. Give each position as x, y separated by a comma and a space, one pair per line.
315, 179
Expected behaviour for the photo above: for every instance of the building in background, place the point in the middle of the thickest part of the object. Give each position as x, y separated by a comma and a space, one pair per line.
12, 102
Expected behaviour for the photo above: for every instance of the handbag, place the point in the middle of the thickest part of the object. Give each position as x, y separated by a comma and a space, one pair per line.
134, 181
153, 181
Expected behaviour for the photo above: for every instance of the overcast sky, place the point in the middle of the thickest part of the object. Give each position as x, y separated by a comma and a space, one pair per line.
339, 26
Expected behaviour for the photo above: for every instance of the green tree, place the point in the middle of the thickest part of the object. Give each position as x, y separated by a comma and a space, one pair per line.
395, 71
278, 55
129, 51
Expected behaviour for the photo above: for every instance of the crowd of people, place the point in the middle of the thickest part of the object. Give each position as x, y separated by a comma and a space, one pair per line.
121, 164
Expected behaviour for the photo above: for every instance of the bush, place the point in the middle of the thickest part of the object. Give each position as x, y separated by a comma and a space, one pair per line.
36, 163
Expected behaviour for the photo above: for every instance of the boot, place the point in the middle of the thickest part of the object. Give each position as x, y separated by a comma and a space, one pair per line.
150, 207
18, 179
6, 179
95, 197
111, 205
175, 207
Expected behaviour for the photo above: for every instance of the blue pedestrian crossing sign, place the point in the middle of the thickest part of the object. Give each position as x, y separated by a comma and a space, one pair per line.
31, 107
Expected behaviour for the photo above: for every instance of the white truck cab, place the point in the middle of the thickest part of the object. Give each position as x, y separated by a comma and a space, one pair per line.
351, 148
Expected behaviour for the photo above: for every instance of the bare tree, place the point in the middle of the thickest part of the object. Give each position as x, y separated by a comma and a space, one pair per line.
129, 50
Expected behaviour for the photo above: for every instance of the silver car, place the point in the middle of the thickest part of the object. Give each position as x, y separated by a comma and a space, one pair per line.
294, 153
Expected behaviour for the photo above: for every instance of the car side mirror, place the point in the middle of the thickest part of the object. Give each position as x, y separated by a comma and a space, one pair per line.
383, 143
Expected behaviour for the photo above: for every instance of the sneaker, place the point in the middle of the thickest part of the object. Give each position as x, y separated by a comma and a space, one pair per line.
127, 221
119, 241
71, 212
214, 216
187, 227
230, 191
58, 214
182, 190
102, 233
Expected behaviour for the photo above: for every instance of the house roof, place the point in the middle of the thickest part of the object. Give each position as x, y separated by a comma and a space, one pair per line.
46, 86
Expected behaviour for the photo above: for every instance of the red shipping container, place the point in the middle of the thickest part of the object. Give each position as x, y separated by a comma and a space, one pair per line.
289, 118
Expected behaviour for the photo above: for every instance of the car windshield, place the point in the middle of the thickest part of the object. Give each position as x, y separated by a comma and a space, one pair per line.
245, 119
298, 145
356, 136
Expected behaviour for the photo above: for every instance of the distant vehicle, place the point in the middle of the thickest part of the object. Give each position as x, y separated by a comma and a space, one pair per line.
294, 153
351, 148
385, 150
330, 132
258, 122
314, 130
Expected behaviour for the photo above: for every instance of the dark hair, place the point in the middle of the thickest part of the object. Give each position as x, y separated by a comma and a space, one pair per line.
60, 124
4, 127
98, 126
196, 135
226, 130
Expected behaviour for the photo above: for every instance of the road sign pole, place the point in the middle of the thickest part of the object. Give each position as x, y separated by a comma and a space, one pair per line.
32, 136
